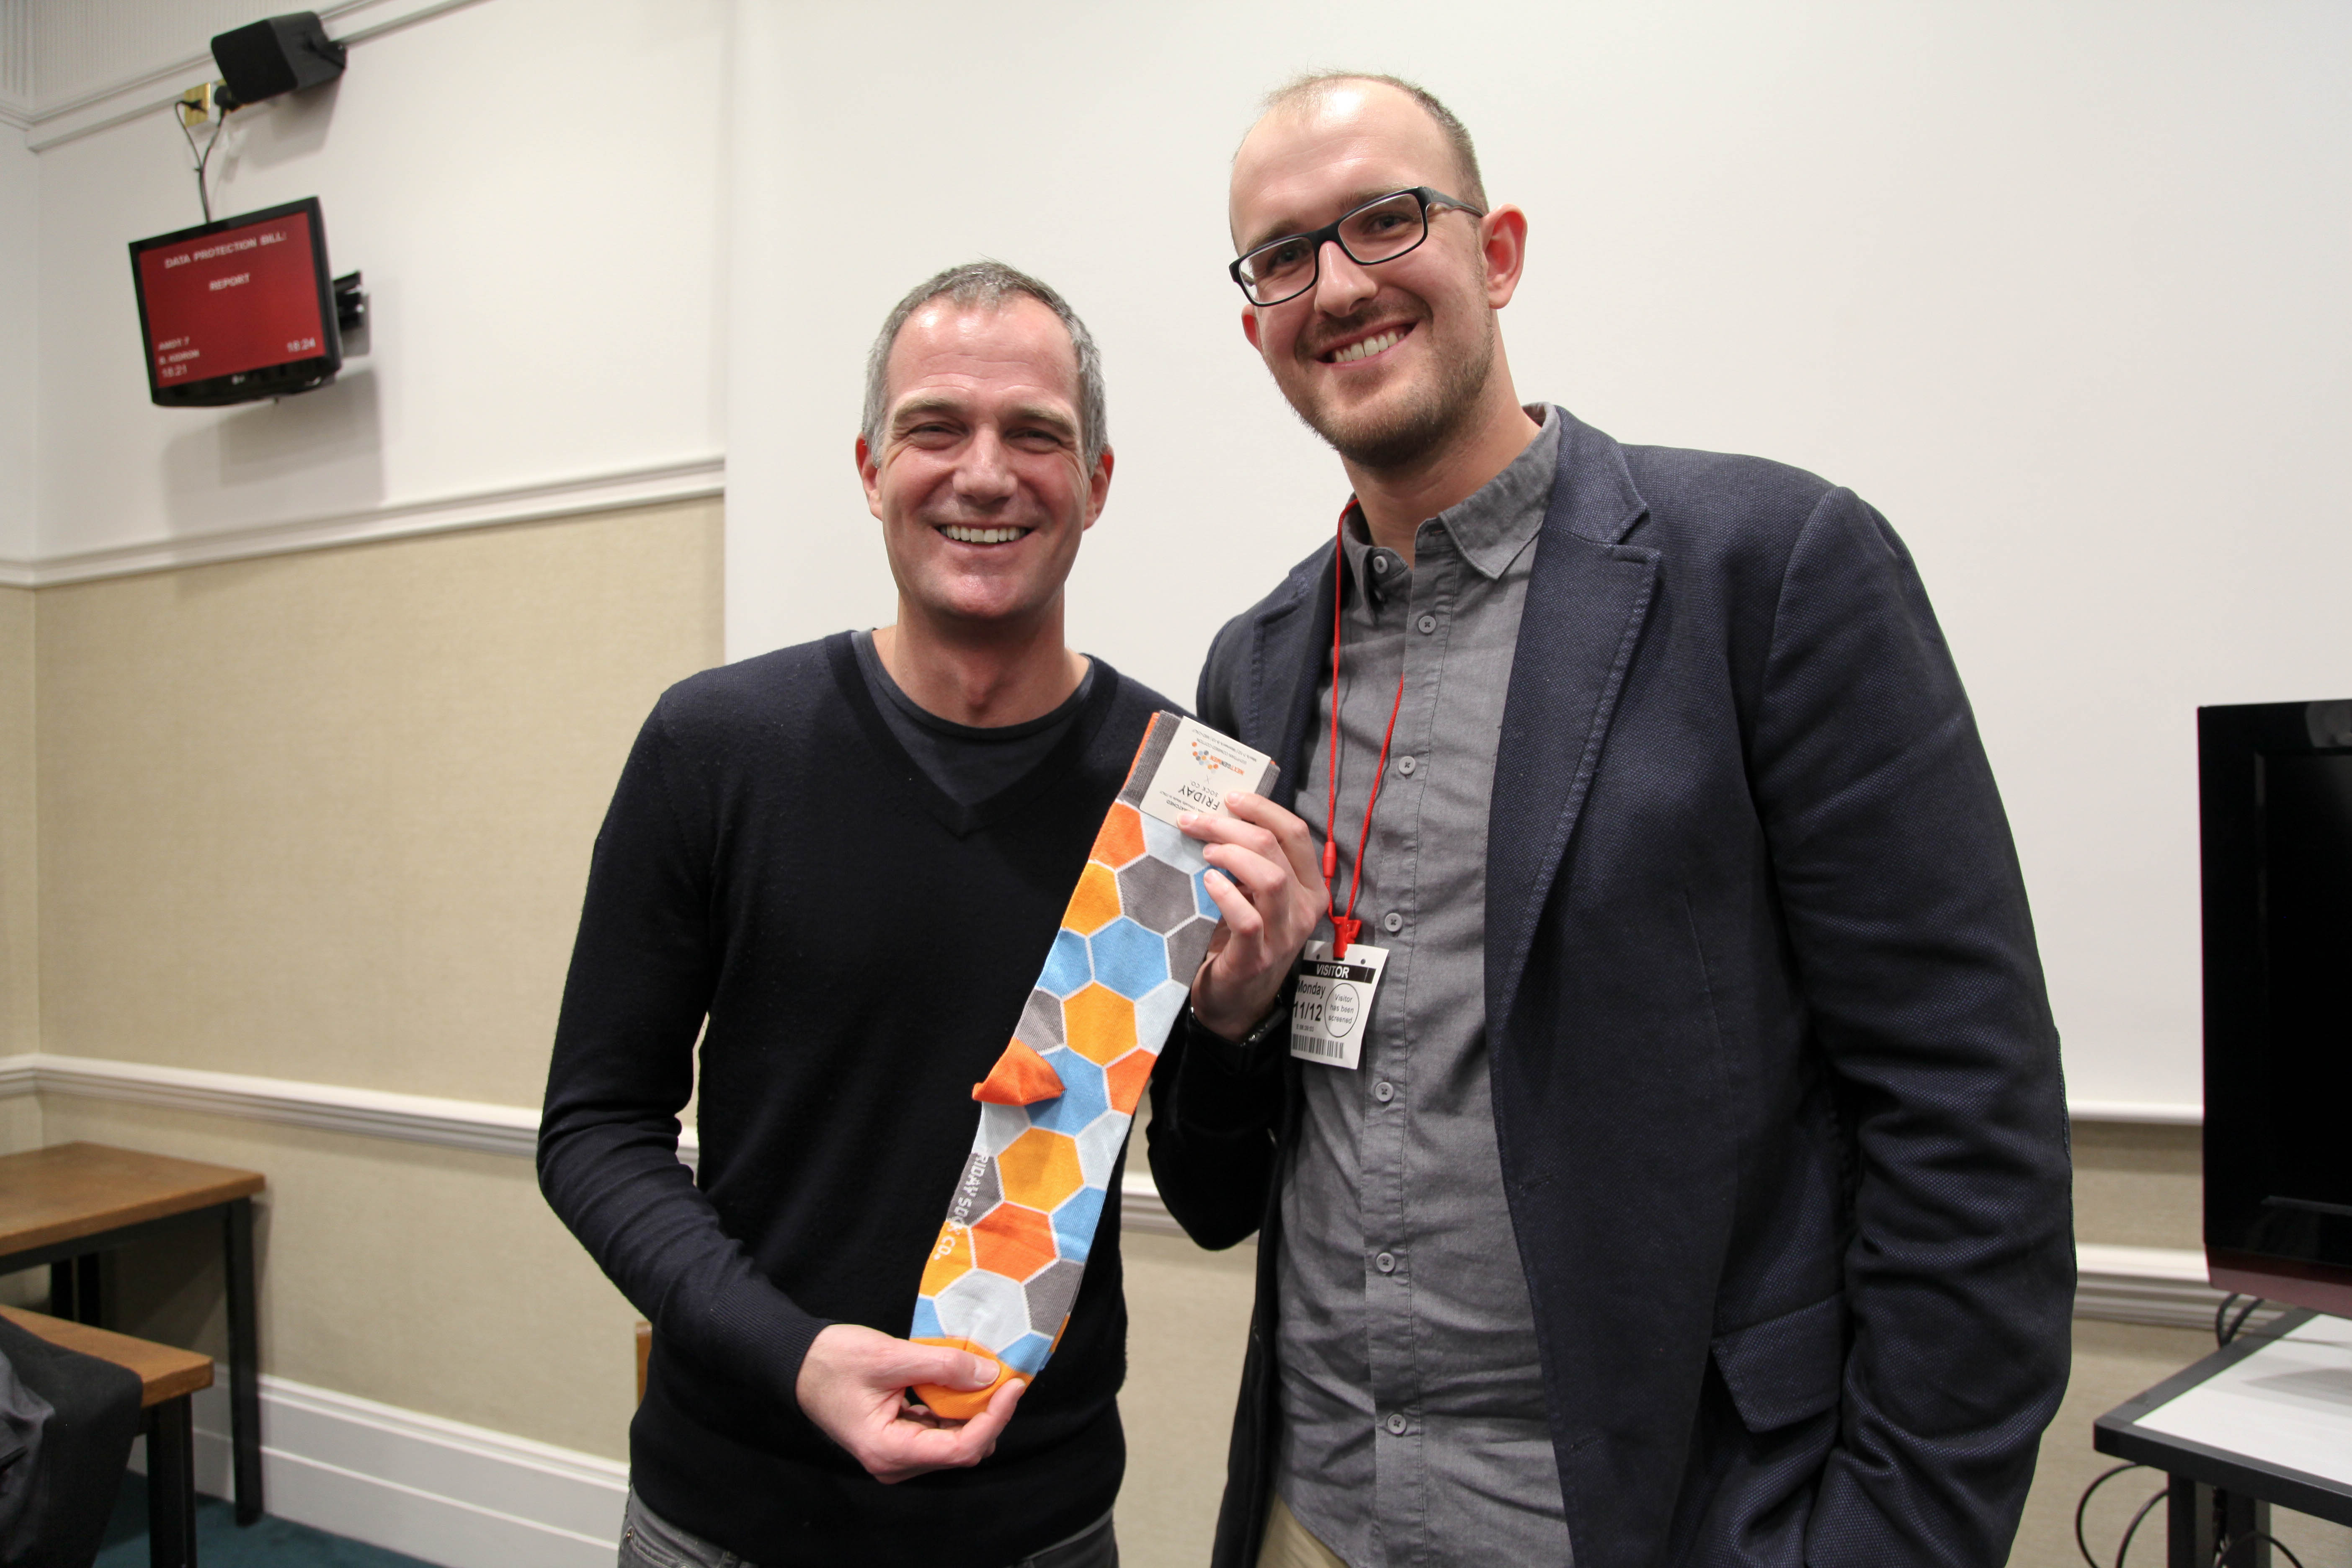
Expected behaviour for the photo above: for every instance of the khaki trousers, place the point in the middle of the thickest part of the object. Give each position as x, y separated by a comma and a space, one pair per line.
1289, 1544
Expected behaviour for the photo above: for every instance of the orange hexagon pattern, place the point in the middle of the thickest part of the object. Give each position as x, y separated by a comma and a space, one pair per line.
1127, 1078
1022, 1219
1096, 903
1040, 1169
1012, 1241
1121, 838
1101, 1025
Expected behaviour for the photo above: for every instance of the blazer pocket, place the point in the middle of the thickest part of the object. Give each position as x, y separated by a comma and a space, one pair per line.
1787, 1368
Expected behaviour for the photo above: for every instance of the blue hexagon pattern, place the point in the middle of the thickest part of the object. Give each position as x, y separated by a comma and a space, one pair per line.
1067, 969
1085, 1094
1027, 1354
1074, 1223
1209, 910
1130, 959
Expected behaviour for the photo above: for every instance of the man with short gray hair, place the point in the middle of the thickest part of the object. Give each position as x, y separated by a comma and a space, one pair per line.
841, 865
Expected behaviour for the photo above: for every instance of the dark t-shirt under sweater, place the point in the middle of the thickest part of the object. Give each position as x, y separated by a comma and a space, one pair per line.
861, 943
969, 764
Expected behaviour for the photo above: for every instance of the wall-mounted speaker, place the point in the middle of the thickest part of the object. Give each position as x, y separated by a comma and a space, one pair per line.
279, 55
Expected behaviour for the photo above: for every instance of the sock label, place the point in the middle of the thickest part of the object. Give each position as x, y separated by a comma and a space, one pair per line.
1199, 766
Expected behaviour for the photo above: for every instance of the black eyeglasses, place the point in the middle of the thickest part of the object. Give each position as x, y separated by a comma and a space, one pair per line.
1381, 230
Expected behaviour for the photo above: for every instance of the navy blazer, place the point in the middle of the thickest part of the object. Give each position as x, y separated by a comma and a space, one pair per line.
1776, 1084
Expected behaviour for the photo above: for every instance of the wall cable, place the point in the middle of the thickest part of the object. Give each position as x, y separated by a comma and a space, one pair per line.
204, 192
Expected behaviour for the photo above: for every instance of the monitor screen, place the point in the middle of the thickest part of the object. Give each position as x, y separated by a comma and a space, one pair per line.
2277, 785
238, 309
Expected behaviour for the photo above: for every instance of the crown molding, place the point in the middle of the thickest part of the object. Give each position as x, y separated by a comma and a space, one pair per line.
691, 479
101, 107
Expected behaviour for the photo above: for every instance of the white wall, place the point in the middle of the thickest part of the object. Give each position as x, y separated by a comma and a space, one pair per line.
2058, 287
19, 311
532, 190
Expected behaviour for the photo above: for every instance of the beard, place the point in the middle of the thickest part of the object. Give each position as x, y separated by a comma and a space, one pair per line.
1418, 425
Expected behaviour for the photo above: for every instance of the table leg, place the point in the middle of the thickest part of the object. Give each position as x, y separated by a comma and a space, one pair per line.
2240, 1517
74, 1289
243, 1361
171, 1486
2187, 1524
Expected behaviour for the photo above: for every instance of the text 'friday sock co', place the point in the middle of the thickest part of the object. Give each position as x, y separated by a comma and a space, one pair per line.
1055, 1109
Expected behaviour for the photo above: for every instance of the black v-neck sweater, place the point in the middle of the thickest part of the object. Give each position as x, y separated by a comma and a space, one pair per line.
862, 946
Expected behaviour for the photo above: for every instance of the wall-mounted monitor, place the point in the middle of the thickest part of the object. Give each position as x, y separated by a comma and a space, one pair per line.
238, 309
2275, 783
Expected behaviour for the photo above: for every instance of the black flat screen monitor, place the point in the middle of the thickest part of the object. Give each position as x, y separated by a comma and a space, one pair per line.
238, 309
2276, 791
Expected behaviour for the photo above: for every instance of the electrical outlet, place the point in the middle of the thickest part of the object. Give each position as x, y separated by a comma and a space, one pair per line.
196, 104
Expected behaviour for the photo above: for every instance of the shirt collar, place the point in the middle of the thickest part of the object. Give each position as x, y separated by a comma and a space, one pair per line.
1490, 527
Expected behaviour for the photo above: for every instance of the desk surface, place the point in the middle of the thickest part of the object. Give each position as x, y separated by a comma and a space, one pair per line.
72, 1190
2271, 1416
165, 1372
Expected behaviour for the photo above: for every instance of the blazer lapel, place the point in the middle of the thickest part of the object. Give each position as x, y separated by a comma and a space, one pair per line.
1286, 661
1587, 596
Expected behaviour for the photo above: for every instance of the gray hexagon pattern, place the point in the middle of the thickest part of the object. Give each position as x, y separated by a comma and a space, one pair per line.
1156, 894
1040, 1021
1051, 1290
1187, 945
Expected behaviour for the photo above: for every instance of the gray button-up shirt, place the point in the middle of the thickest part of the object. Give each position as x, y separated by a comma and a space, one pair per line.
1412, 1414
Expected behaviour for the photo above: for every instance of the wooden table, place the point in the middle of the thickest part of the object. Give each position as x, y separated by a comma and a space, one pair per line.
66, 1204
167, 1378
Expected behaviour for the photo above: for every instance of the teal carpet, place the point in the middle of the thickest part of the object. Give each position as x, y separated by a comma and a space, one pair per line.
266, 1543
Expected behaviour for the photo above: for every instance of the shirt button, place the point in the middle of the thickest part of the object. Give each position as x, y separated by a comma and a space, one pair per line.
1427, 624
1384, 1091
1393, 922
1396, 1424
1385, 1262
1405, 766
1380, 564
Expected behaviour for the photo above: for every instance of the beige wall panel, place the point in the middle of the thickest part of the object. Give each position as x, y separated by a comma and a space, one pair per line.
20, 1123
431, 1279
2139, 1185
19, 864
328, 816
1188, 1325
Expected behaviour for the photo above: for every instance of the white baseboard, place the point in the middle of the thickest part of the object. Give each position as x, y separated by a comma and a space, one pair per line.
460, 1496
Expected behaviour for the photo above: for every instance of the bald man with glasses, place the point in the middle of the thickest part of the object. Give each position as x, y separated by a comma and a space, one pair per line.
1665, 1161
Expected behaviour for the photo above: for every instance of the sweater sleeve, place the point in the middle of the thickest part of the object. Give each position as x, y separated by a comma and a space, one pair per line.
1214, 1106
643, 971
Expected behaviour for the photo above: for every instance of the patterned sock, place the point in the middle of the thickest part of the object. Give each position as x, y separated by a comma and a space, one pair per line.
1054, 1110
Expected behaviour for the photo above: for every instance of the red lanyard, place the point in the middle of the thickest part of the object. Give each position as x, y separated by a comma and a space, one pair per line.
1345, 926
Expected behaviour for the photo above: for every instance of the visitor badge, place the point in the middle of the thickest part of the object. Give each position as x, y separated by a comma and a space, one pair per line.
1199, 766
1333, 1003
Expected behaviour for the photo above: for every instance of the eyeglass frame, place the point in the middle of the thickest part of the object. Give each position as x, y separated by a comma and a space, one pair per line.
1329, 235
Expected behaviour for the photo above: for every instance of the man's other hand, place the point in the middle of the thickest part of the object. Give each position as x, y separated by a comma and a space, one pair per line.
854, 1382
1268, 883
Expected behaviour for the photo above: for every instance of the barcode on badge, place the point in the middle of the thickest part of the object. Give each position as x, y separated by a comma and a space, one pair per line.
1317, 1046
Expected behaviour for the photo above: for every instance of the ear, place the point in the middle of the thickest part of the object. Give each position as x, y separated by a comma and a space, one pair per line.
1249, 326
870, 474
1099, 487
1502, 253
